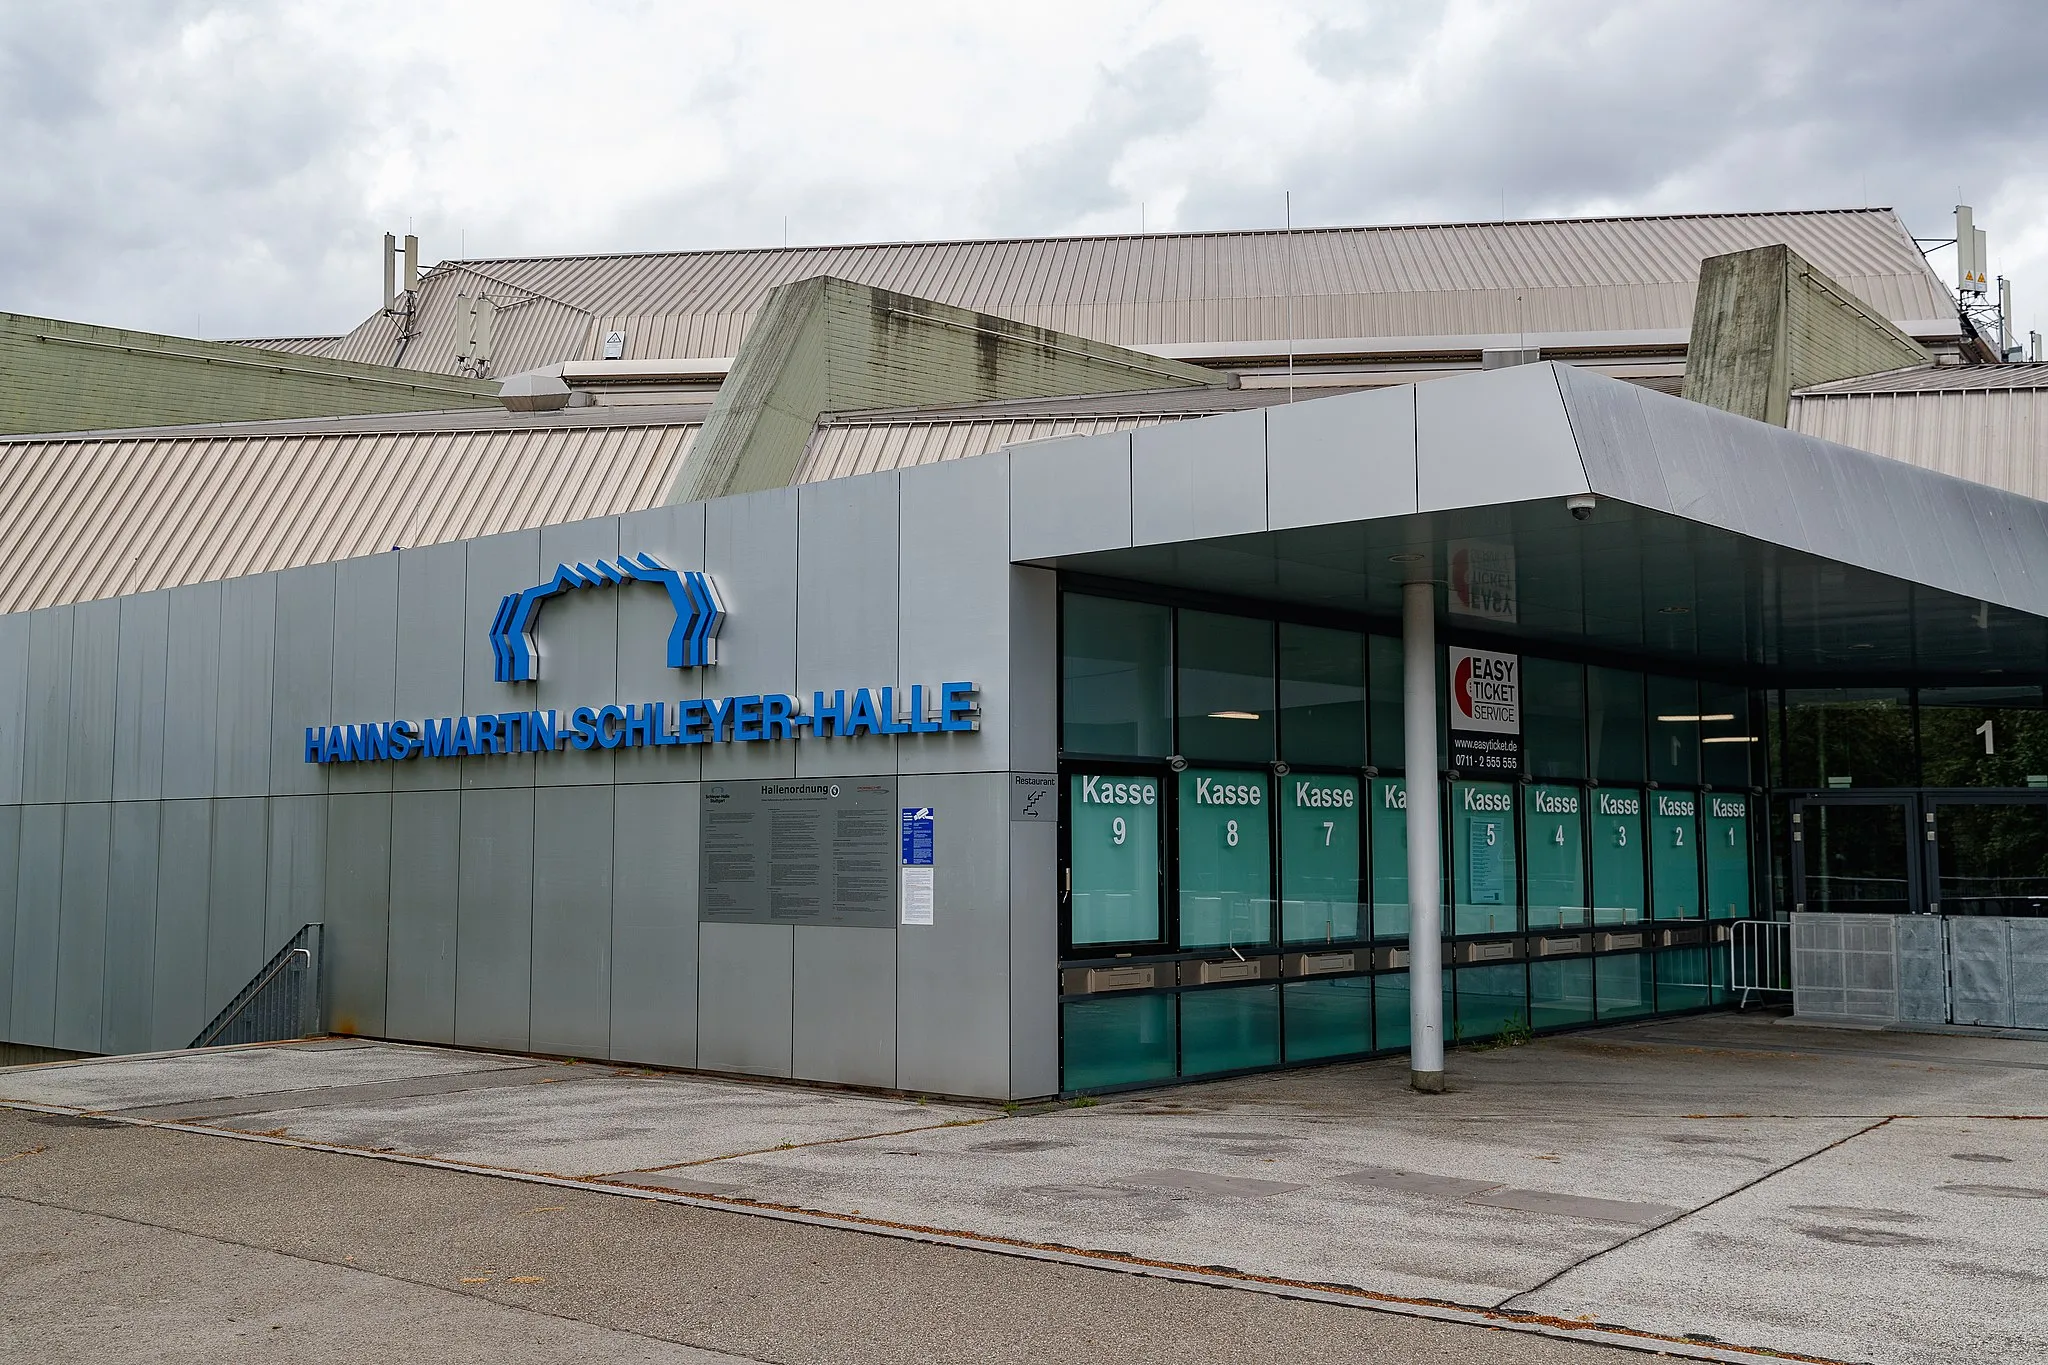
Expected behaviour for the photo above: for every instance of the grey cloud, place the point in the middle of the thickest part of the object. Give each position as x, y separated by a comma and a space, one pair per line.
1162, 90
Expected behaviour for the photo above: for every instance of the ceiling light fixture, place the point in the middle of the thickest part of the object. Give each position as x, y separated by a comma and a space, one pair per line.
1676, 611
1729, 739
1724, 715
1233, 715
1408, 558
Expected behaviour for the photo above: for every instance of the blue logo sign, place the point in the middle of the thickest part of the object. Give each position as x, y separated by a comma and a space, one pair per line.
691, 642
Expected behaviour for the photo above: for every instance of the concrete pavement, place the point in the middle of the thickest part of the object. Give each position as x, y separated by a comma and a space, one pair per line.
1842, 1195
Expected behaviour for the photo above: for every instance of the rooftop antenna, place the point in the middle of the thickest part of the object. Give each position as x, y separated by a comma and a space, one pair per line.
1141, 218
1287, 244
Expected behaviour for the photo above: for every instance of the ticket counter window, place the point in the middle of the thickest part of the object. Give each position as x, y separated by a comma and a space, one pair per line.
1617, 846
1115, 677
1674, 855
1319, 857
1554, 851
1226, 688
1225, 858
1113, 858
1483, 845
1724, 843
1322, 696
1388, 799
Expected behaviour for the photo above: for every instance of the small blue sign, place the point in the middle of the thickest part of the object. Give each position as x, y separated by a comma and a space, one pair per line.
917, 836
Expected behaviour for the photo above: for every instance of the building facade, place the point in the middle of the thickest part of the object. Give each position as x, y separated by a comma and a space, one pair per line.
1082, 764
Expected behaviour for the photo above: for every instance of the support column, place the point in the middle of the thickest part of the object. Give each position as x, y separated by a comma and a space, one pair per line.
1425, 845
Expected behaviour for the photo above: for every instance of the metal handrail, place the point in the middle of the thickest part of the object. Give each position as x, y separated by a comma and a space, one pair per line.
295, 953
1760, 958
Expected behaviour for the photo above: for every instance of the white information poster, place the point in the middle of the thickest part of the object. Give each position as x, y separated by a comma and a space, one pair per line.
917, 895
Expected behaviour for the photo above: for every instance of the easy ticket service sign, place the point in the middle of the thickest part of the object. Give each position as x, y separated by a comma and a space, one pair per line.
1486, 711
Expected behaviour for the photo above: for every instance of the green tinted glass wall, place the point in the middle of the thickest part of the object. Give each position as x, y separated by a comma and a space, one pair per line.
1113, 858
1389, 801
1116, 685
1483, 850
1623, 985
1848, 737
1328, 1018
1617, 847
1675, 720
1614, 725
1229, 1030
1554, 845
1319, 857
1226, 687
1726, 745
1682, 980
1126, 1040
1224, 858
1488, 999
1322, 696
1389, 740
1674, 855
1983, 737
1560, 992
1553, 718
1724, 839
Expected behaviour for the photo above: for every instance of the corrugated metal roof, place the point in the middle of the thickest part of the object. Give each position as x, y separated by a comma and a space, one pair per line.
1559, 275
155, 509
290, 345
840, 450
1997, 437
1932, 378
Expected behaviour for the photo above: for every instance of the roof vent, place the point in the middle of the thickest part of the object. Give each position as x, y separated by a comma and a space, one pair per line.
534, 391
1500, 359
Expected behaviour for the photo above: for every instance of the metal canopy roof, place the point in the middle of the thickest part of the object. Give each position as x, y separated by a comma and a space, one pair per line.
1717, 542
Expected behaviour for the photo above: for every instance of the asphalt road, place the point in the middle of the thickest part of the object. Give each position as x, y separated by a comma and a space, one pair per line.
129, 1244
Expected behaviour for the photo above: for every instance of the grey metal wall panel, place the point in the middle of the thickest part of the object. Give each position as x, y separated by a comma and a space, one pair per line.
365, 656
139, 697
10, 870
95, 657
1923, 969
1199, 480
654, 924
14, 643
132, 874
191, 690
426, 836
494, 919
674, 536
846, 612
578, 635
750, 550
1034, 959
49, 705
428, 677
572, 921
1071, 496
355, 939
297, 872
1033, 699
82, 926
2029, 972
302, 681
744, 985
248, 651
38, 888
955, 594
843, 1016
952, 992
234, 904
1346, 458
1980, 970
1494, 437
496, 565
177, 1006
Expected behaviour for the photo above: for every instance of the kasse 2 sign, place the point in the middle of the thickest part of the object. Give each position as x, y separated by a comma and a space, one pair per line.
1486, 711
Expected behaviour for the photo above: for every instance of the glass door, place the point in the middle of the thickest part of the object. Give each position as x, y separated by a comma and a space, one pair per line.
1857, 855
1989, 856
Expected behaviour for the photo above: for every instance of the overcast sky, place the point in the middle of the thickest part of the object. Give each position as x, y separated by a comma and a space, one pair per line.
227, 169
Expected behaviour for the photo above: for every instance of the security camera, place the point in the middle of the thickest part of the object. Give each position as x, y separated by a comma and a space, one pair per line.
1581, 506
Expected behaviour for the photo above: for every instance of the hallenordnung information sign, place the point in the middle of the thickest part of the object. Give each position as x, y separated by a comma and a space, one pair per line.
799, 852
